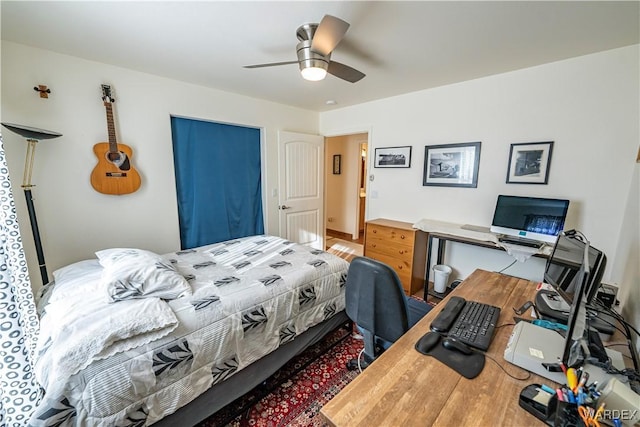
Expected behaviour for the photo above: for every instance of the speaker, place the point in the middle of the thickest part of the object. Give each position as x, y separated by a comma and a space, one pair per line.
607, 294
620, 402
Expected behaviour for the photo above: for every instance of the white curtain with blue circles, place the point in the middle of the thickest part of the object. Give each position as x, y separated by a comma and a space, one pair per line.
19, 391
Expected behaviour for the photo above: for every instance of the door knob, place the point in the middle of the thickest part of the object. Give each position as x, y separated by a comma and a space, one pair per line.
283, 207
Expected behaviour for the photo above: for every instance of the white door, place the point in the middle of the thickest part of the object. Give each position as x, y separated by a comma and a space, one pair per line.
301, 182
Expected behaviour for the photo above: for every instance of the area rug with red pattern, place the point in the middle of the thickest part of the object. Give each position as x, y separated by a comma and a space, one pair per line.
294, 395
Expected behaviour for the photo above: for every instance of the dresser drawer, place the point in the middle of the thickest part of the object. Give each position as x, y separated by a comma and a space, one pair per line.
390, 235
390, 249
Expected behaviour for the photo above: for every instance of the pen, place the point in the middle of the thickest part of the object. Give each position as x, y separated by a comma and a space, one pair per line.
617, 422
560, 396
583, 379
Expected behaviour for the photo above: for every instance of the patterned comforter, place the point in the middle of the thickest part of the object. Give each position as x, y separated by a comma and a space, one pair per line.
248, 296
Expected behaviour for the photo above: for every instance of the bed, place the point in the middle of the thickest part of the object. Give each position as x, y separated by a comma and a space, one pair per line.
136, 338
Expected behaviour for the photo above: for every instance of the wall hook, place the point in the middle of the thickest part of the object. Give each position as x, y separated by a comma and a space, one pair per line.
44, 91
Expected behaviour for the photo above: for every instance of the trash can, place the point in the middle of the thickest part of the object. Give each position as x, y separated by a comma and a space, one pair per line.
441, 274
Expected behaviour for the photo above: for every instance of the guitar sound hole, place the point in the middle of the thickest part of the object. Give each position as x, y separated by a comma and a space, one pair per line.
119, 159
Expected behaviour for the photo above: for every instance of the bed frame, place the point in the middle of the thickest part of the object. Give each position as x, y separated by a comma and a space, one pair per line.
248, 378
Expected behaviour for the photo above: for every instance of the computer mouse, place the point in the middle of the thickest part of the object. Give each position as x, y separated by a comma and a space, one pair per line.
427, 342
455, 345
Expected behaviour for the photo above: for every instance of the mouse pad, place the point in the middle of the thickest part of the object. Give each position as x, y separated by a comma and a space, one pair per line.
469, 366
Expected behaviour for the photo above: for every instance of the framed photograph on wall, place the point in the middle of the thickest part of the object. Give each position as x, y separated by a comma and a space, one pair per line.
529, 163
337, 164
393, 157
452, 165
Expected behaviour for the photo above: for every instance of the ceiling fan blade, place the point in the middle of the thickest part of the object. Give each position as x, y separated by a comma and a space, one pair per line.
272, 64
328, 34
344, 72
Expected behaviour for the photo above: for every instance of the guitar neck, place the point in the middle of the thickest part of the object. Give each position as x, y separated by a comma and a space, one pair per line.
111, 128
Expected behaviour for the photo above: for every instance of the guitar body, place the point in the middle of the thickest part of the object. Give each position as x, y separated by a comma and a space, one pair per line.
114, 174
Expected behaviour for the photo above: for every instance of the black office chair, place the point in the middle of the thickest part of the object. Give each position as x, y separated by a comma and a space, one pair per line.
376, 302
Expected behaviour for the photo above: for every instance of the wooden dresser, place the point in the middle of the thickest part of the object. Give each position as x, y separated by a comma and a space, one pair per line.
402, 247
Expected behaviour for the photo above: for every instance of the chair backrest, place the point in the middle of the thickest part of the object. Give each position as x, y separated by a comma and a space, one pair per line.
375, 299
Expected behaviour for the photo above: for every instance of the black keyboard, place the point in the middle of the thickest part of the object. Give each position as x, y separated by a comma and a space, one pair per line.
471, 322
521, 242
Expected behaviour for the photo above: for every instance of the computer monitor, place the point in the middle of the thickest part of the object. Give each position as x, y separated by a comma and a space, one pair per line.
530, 218
575, 269
539, 349
575, 343
562, 267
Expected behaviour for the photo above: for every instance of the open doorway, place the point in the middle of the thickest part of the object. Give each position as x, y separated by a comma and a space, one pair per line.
364, 149
345, 195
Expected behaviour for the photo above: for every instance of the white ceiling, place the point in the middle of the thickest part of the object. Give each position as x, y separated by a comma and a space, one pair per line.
400, 46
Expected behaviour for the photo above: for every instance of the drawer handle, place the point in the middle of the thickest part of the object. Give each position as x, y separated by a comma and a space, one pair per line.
399, 267
373, 245
401, 252
402, 236
374, 231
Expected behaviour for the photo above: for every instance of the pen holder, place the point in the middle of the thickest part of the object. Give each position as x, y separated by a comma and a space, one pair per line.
567, 414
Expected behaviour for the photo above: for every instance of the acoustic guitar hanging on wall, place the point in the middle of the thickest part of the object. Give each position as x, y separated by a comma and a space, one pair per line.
114, 173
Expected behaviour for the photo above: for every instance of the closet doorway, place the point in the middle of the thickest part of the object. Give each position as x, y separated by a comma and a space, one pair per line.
346, 190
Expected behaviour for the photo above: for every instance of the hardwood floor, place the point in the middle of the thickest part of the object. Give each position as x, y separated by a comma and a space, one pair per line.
345, 236
346, 249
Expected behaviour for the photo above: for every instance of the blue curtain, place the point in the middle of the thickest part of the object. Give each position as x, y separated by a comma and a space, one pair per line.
217, 169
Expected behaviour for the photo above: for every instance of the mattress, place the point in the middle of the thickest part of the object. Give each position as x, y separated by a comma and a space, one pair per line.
247, 297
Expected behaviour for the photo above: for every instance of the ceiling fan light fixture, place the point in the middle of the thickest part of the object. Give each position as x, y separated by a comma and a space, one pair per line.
313, 74
313, 66
314, 49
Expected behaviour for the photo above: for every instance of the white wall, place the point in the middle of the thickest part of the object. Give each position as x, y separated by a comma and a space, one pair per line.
588, 105
75, 220
626, 265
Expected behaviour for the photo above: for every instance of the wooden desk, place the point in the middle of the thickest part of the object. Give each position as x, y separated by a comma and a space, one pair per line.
405, 388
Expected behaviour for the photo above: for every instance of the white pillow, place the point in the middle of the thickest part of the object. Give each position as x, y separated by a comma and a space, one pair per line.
78, 279
135, 273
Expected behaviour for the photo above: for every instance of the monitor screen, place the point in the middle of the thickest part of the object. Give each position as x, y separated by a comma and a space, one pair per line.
563, 272
575, 269
530, 217
575, 339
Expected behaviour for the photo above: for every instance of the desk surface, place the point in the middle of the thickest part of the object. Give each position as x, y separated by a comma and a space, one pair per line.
405, 388
545, 252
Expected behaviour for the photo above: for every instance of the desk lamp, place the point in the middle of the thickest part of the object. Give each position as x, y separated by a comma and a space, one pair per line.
33, 135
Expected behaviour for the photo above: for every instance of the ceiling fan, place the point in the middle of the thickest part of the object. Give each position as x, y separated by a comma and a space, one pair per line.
317, 42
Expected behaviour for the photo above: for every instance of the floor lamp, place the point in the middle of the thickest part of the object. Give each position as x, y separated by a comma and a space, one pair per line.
33, 135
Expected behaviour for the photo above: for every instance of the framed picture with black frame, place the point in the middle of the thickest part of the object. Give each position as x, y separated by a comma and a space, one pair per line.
529, 163
452, 165
337, 164
393, 157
